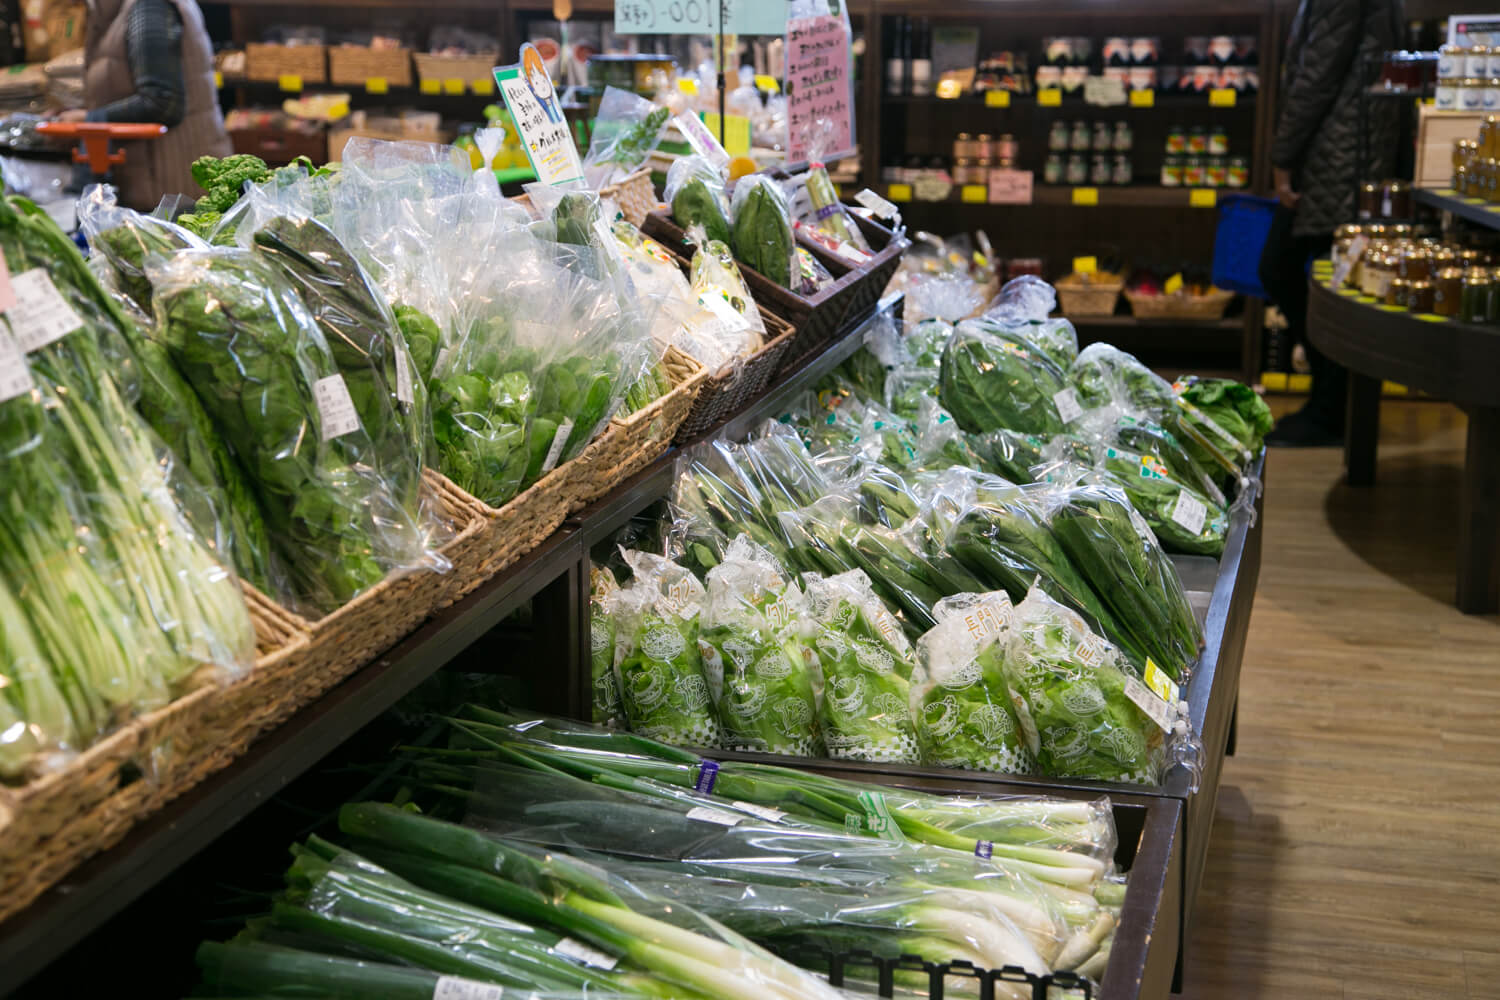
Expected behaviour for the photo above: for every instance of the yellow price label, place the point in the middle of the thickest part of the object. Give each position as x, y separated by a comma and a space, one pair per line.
1431, 318
1203, 197
974, 194
1085, 196
1393, 388
1173, 285
1143, 98
1492, 208
1473, 201
1222, 97
1366, 299
767, 83
1274, 381
453, 87
430, 86
1349, 293
218, 79
1445, 192
688, 86
1085, 265
289, 82
1158, 681
898, 192
1392, 309
484, 86
997, 98
377, 85
736, 132
1049, 97
1299, 383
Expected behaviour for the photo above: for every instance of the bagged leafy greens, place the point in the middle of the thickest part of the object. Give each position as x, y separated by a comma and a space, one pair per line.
695, 190
1181, 517
1025, 304
762, 229
607, 709
626, 130
993, 377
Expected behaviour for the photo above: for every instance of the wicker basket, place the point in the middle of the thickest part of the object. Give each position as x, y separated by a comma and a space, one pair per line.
269, 63
353, 65
1181, 306
727, 391
1097, 298
635, 195
440, 69
54, 823
868, 280
631, 443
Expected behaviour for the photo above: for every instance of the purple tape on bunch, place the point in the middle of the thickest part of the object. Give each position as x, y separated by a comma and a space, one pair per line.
708, 774
984, 849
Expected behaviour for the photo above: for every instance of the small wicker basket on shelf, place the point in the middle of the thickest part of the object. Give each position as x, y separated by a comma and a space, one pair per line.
1180, 305
265, 63
356, 65
1089, 295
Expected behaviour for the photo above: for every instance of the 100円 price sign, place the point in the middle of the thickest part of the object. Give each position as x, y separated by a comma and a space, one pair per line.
699, 17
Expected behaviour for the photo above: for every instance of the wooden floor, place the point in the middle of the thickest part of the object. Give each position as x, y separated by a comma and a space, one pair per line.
1356, 845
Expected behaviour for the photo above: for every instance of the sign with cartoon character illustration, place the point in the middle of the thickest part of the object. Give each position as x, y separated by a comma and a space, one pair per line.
534, 107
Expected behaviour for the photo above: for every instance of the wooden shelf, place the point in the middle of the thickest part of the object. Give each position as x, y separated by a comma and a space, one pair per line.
1107, 196
1161, 101
1475, 210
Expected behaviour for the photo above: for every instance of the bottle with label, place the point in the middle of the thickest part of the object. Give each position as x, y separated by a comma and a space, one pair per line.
895, 60
921, 60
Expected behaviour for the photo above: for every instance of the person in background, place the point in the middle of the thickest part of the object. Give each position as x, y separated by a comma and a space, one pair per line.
1333, 53
152, 61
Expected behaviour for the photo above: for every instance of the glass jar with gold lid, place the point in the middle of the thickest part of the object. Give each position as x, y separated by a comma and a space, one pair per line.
1398, 292
1447, 291
1414, 263
1474, 296
1420, 295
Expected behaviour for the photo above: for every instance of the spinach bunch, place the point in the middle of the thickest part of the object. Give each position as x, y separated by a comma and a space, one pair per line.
994, 378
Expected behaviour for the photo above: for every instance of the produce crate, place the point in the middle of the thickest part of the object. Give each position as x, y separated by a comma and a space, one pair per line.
635, 195
352, 65
630, 443
53, 823
440, 69
267, 63
280, 146
1209, 306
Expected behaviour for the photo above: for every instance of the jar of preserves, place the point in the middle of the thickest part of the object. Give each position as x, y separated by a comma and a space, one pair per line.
1121, 171
1450, 62
1465, 150
1080, 137
1369, 200
963, 171
1238, 174
1192, 171
1378, 275
1440, 259
1398, 293
1476, 61
1171, 172
964, 147
1445, 94
1176, 140
1488, 140
1057, 137
1419, 297
1197, 140
1470, 258
1474, 296
1006, 147
1415, 263
1493, 66
984, 146
1371, 264
1471, 93
1447, 291
1395, 199
1461, 179
1104, 137
1123, 137
1218, 141
1052, 170
1099, 169
1216, 172
1492, 94
1078, 170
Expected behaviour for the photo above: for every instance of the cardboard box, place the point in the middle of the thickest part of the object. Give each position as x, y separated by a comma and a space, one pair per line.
1436, 133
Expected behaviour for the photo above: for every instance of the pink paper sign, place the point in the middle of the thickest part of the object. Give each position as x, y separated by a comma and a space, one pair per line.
819, 98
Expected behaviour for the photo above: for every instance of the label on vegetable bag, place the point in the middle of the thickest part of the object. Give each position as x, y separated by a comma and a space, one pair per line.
15, 375
1158, 681
580, 952
442, 357
1067, 406
727, 319
403, 379
1148, 701
40, 314
704, 814
454, 988
554, 451
878, 818
1189, 512
764, 812
708, 775
7, 292
877, 204
335, 407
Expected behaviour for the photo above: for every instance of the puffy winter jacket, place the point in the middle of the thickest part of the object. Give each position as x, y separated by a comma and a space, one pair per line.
1317, 130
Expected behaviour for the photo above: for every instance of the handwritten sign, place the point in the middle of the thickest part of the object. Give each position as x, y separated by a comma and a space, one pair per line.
819, 99
1010, 187
699, 17
533, 104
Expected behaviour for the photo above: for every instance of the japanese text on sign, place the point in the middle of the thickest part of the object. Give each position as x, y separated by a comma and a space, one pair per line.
699, 17
528, 92
818, 95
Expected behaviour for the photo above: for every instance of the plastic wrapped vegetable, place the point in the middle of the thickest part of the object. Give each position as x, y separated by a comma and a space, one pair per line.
607, 710
626, 130
995, 378
961, 697
762, 229
1070, 694
663, 686
695, 190
750, 637
1026, 304
1233, 406
830, 219
925, 341
126, 238
867, 669
729, 314
1184, 519
1105, 374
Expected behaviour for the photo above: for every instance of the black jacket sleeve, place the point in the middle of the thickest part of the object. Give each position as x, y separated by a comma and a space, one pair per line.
153, 42
1331, 30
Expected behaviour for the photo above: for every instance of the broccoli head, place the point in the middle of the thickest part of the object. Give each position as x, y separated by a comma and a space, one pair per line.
223, 180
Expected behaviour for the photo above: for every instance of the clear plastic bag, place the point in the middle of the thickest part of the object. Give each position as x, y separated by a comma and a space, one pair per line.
626, 129
993, 378
605, 698
943, 297
826, 218
751, 638
695, 190
1181, 517
658, 666
727, 314
762, 229
1026, 304
126, 238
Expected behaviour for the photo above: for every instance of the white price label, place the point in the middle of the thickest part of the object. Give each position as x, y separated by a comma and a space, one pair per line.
706, 815
1189, 512
1158, 681
335, 407
554, 452
764, 812
404, 364
454, 988
15, 375
40, 315
727, 318
442, 357
580, 952
1150, 702
852, 253
1067, 406
880, 206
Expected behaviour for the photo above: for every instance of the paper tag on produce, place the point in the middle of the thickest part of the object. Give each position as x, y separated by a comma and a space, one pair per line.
580, 952
878, 205
454, 988
852, 253
7, 293
403, 378
704, 814
764, 812
335, 407
704, 142
984, 849
39, 314
554, 451
878, 818
1189, 512
1067, 406
1158, 681
1148, 701
437, 365
727, 319
15, 375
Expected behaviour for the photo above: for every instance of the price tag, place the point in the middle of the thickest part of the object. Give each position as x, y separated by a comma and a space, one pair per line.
1143, 98
728, 318
1222, 97
218, 79
1431, 318
1049, 97
454, 988
484, 86
1299, 383
1202, 198
403, 378
1010, 187
997, 98
767, 83
377, 85
1067, 406
1158, 681
335, 407
1157, 710
974, 194
688, 86
1085, 265
1085, 196
1172, 285
430, 86
453, 87
580, 952
764, 812
736, 132
15, 374
877, 204
1189, 512
39, 314
289, 82
704, 814
898, 192
559, 439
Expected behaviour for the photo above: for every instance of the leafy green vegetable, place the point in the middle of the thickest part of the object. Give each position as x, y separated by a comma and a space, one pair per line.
763, 229
423, 338
1170, 507
607, 709
1235, 407
993, 378
695, 205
